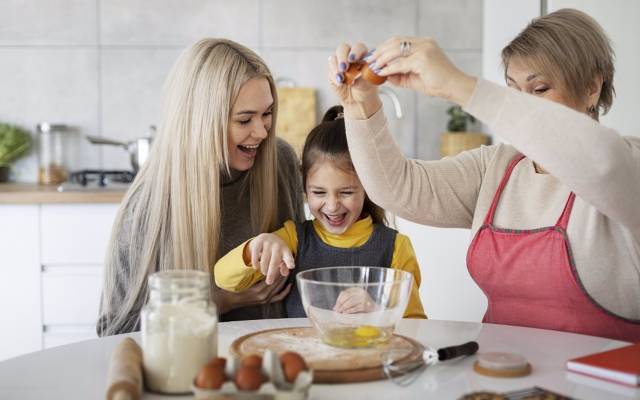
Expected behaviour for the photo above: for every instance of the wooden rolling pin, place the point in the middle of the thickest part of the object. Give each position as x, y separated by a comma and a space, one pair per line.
125, 372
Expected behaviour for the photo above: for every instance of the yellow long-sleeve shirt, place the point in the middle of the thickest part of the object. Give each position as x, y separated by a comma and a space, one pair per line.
233, 274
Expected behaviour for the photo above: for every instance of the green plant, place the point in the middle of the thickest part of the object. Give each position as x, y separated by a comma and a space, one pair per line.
458, 119
14, 143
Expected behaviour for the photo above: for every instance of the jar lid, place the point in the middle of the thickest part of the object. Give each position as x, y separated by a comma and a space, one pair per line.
49, 127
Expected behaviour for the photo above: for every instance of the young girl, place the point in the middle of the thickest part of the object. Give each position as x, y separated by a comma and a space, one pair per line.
347, 229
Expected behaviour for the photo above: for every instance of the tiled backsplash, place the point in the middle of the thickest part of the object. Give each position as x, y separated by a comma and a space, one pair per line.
99, 65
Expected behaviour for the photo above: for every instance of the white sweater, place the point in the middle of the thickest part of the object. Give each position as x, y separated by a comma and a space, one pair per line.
581, 155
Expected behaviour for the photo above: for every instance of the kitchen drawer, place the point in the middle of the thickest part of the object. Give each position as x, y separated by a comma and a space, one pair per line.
61, 335
75, 233
71, 295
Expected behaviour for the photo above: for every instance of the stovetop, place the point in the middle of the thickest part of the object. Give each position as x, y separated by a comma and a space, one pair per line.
95, 179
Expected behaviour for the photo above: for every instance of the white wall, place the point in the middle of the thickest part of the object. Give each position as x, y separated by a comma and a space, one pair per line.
100, 65
504, 19
619, 19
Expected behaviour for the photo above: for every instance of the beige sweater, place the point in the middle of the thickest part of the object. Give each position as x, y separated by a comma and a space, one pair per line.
581, 155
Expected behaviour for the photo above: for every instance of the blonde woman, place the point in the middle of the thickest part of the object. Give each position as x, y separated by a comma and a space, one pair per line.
215, 177
554, 215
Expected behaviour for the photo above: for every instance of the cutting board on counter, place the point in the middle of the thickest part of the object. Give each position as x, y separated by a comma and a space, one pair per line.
330, 364
296, 115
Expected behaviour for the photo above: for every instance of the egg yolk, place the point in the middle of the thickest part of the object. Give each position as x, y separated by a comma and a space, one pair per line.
367, 331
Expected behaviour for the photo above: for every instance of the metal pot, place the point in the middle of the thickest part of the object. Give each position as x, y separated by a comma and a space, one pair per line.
138, 148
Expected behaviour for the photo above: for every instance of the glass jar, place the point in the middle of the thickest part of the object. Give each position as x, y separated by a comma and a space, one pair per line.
179, 330
51, 138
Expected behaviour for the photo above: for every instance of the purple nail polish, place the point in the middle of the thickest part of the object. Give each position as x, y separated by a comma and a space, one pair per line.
339, 78
352, 57
377, 70
343, 66
373, 65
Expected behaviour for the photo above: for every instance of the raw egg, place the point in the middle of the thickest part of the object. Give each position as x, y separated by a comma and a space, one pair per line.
292, 364
362, 69
371, 76
352, 73
254, 360
249, 378
210, 377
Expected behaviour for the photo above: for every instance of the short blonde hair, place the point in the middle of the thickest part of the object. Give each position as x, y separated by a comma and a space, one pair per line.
572, 49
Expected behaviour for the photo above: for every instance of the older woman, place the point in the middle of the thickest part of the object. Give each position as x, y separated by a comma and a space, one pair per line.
554, 215
215, 177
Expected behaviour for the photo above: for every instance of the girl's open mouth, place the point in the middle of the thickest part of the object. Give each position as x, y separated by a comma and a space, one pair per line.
335, 220
249, 149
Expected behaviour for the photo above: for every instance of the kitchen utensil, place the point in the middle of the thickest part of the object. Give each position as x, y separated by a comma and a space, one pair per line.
329, 364
402, 370
380, 296
125, 371
138, 148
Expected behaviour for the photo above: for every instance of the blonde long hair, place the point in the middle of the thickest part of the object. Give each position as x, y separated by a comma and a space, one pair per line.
171, 216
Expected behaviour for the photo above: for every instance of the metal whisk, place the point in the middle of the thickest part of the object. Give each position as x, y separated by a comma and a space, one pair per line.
403, 371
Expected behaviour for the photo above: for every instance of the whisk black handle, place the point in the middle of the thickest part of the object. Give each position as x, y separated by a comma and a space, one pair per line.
467, 349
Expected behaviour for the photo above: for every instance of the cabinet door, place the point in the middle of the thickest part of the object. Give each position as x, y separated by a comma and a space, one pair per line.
71, 295
20, 315
76, 233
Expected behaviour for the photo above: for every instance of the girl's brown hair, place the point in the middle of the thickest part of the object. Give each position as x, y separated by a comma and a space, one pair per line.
572, 49
328, 141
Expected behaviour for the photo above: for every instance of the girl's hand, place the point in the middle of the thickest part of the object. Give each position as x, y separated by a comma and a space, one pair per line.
354, 300
421, 65
260, 293
271, 256
360, 100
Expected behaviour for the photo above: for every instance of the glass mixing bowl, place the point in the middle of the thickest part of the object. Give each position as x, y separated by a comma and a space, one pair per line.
354, 307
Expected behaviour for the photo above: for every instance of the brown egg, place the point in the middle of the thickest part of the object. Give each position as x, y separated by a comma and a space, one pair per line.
352, 73
210, 377
219, 362
249, 378
292, 364
371, 76
254, 360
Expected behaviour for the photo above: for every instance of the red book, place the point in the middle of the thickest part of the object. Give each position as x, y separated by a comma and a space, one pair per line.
619, 365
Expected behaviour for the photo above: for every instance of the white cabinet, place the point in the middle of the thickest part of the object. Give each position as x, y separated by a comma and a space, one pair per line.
20, 298
51, 273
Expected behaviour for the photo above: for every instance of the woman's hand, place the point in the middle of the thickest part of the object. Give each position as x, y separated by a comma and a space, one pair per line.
360, 100
260, 293
270, 255
354, 300
420, 64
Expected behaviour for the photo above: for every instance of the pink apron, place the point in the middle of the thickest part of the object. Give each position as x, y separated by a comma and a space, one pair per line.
530, 279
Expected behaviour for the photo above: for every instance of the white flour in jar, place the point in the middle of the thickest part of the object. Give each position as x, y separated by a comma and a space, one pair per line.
176, 344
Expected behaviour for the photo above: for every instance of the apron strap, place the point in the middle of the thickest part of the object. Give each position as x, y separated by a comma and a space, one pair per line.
488, 219
563, 221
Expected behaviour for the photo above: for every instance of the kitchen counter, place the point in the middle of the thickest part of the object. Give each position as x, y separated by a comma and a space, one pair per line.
32, 193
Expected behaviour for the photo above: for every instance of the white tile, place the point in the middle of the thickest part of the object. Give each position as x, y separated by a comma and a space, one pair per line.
432, 112
132, 82
455, 24
328, 23
48, 22
56, 85
177, 23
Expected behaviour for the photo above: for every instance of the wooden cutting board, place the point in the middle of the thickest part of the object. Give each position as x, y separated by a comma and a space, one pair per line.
330, 364
296, 115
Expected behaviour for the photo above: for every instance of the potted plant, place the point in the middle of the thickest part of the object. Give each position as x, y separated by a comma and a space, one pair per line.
14, 143
459, 138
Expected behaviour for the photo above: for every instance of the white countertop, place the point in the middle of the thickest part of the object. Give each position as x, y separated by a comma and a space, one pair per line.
79, 371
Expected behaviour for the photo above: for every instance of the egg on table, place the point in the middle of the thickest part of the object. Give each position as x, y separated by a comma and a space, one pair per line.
292, 364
